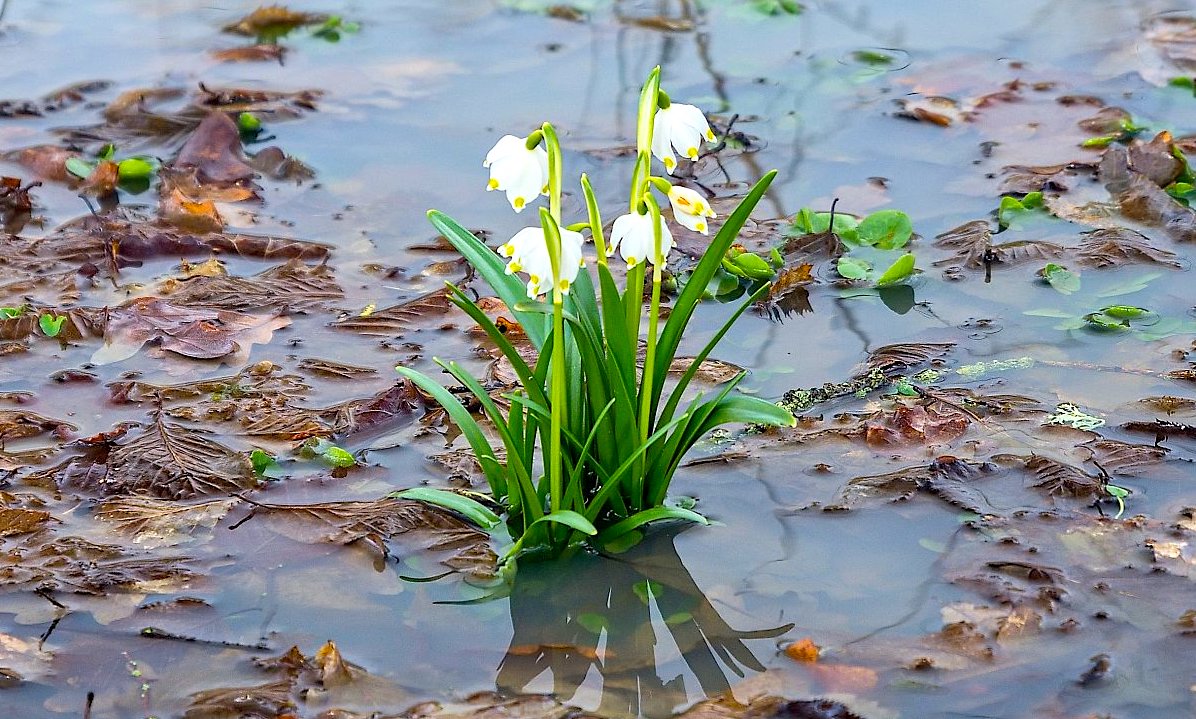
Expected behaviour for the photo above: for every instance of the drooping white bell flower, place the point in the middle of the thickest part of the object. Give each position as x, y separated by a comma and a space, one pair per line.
632, 236
682, 127
528, 252
518, 171
690, 209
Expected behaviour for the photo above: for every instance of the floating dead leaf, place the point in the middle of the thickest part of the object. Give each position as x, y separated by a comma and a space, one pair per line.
46, 162
274, 104
333, 369
272, 701
373, 523
1118, 246
1142, 200
397, 319
1119, 457
661, 23
1170, 404
103, 179
1173, 36
948, 478
214, 152
260, 380
157, 523
174, 462
262, 52
803, 650
273, 19
356, 416
1156, 160
897, 358
18, 520
293, 286
935, 109
1063, 480
1022, 179
333, 670
712, 371
195, 333
19, 423
277, 165
176, 210
49, 562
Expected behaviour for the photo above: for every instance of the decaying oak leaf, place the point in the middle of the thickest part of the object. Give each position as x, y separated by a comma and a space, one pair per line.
265, 701
46, 162
467, 548
897, 358
1022, 179
257, 381
333, 369
262, 52
18, 520
1119, 457
948, 478
397, 319
214, 152
355, 416
195, 333
1170, 404
1114, 247
1141, 199
157, 523
1063, 480
272, 18
50, 562
277, 105
292, 286
175, 462
711, 370
178, 210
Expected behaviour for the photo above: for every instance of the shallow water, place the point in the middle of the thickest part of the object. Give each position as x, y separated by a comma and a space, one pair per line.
411, 103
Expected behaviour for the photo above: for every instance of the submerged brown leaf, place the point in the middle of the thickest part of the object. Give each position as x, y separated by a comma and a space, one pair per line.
195, 333
948, 478
897, 358
175, 462
397, 319
214, 152
264, 701
1118, 246
1142, 200
373, 523
1119, 457
293, 286
272, 18
1057, 479
160, 523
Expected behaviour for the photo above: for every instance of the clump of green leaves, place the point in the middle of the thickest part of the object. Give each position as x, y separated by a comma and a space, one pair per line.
1183, 188
325, 451
777, 7
868, 241
1119, 317
134, 172
591, 438
1013, 212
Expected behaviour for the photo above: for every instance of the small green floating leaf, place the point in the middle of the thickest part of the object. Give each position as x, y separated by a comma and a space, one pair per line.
51, 326
1101, 321
261, 460
79, 167
1118, 493
1127, 312
886, 229
11, 313
135, 168
872, 57
328, 453
1060, 278
749, 265
853, 269
898, 271
592, 622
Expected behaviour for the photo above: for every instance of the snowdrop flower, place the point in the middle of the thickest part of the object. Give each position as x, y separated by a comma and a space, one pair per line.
528, 252
682, 127
632, 236
518, 171
690, 209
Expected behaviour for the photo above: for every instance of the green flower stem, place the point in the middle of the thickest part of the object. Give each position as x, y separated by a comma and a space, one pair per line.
552, 238
595, 218
653, 322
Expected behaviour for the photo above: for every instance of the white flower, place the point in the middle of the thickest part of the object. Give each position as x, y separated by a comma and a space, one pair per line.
690, 209
528, 252
682, 127
518, 171
632, 236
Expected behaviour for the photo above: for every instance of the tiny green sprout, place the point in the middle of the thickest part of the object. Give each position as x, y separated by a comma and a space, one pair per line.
332, 28
51, 326
1118, 493
11, 313
107, 152
778, 7
1011, 208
